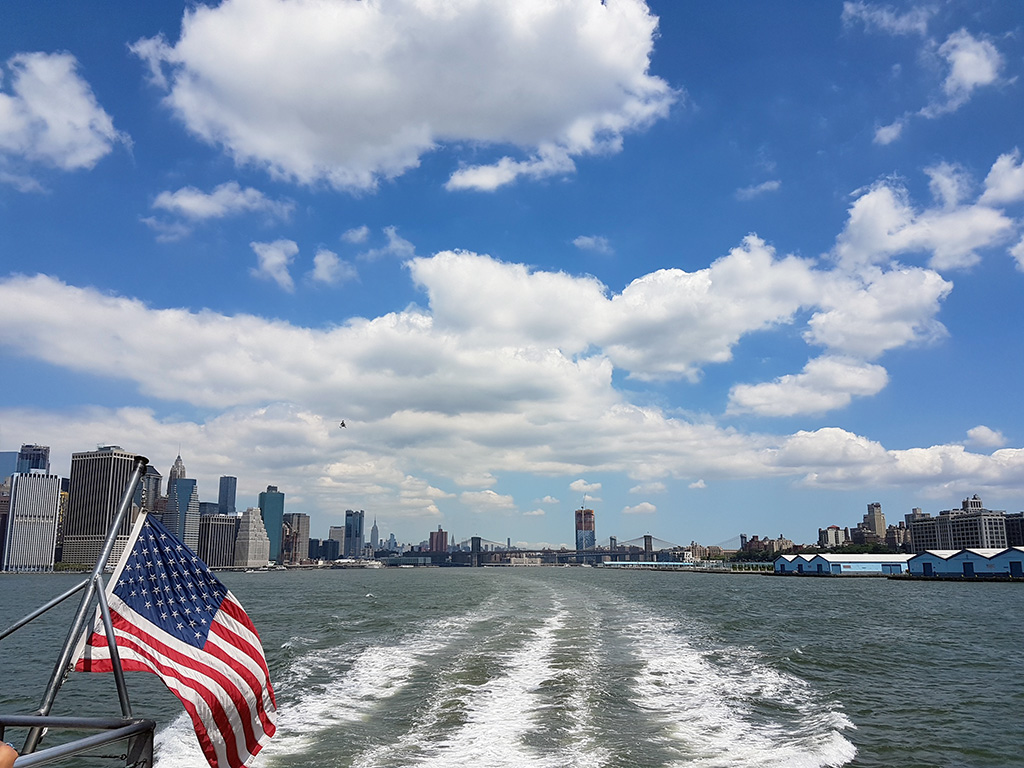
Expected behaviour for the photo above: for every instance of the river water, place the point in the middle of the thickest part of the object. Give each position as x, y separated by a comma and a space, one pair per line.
586, 667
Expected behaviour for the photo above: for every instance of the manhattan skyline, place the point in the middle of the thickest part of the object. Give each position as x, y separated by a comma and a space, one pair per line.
705, 272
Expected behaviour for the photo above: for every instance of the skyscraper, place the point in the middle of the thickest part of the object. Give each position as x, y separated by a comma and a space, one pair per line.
874, 520
585, 534
297, 549
98, 481
252, 547
872, 529
439, 540
34, 457
177, 471
337, 533
226, 495
217, 540
32, 523
329, 549
5, 508
151, 483
374, 536
8, 464
272, 509
353, 546
182, 514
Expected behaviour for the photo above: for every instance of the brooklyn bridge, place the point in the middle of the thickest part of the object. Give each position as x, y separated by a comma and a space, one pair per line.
478, 552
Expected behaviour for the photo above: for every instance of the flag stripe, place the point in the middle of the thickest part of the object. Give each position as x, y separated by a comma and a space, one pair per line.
256, 687
182, 664
190, 688
216, 755
239, 629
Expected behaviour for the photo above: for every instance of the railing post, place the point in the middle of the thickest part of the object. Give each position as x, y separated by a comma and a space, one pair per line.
60, 669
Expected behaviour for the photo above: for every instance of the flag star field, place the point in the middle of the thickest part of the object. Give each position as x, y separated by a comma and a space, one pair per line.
706, 268
169, 586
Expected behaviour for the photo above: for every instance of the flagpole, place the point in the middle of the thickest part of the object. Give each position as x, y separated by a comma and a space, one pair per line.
61, 668
115, 657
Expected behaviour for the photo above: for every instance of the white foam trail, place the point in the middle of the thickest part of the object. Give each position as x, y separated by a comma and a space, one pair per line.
502, 710
709, 707
585, 750
710, 698
177, 746
376, 673
499, 713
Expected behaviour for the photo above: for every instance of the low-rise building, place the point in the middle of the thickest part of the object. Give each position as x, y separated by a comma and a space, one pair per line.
969, 563
833, 536
842, 565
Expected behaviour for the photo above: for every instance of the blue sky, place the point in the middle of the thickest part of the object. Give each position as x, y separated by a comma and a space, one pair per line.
715, 268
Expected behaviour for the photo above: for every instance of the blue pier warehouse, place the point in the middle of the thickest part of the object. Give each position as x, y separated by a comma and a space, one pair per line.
998, 563
841, 565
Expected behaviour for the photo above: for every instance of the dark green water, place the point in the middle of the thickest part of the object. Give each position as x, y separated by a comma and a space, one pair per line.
584, 667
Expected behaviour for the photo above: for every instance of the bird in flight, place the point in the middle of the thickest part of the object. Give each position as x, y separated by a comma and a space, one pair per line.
342, 425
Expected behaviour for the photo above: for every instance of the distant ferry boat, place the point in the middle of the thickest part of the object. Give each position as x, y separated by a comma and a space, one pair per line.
351, 563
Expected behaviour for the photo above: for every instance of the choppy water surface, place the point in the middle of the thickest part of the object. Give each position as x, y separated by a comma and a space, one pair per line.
584, 667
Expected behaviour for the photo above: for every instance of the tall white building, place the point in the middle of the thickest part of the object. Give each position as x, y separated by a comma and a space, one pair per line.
252, 545
32, 523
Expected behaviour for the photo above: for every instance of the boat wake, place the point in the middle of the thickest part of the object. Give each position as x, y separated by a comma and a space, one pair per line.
537, 676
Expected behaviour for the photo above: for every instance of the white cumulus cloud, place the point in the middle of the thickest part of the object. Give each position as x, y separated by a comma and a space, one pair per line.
1017, 252
883, 223
273, 260
51, 115
582, 486
1005, 180
986, 437
825, 384
328, 268
225, 200
422, 399
643, 508
347, 92
487, 500
756, 190
886, 19
972, 63
887, 134
356, 234
654, 486
397, 247
969, 62
595, 243
865, 315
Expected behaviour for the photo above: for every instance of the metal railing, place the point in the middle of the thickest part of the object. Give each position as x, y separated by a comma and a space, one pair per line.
136, 732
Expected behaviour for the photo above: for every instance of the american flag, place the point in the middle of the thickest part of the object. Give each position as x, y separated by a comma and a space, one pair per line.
174, 618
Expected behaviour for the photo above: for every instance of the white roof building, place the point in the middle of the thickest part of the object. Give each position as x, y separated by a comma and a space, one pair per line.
842, 565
